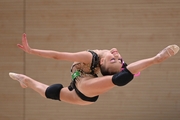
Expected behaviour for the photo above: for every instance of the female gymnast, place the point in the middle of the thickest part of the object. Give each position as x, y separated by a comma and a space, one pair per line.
86, 86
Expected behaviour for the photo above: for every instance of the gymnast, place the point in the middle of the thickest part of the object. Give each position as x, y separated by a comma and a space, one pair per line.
86, 86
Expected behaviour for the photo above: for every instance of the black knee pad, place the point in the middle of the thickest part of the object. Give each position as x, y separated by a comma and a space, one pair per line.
122, 78
53, 91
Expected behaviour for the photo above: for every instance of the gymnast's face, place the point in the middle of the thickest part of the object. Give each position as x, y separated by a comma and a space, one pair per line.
112, 61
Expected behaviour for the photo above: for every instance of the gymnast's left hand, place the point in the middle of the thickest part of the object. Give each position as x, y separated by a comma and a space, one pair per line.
24, 46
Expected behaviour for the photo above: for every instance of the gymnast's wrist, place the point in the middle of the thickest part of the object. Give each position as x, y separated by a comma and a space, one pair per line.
32, 51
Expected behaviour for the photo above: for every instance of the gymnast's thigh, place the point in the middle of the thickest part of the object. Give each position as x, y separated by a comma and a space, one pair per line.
96, 86
71, 97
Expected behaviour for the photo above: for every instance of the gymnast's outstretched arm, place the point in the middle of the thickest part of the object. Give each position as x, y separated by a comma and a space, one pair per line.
83, 56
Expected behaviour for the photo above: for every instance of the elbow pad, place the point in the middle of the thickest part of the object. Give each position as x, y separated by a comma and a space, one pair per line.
122, 78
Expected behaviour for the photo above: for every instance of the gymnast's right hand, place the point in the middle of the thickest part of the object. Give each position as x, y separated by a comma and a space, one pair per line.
24, 46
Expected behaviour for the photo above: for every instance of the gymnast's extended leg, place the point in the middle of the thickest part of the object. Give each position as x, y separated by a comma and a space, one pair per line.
140, 65
102, 84
55, 91
26, 81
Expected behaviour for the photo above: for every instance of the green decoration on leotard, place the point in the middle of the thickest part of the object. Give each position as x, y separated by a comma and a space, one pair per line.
75, 75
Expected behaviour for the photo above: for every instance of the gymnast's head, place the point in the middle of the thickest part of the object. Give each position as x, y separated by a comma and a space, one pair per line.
111, 62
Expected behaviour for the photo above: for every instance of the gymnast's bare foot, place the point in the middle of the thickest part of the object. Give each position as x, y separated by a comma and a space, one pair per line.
166, 53
20, 78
